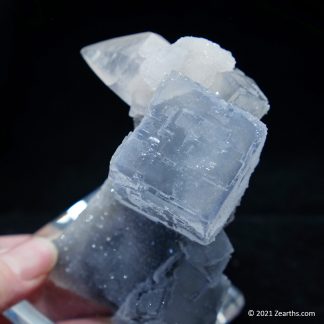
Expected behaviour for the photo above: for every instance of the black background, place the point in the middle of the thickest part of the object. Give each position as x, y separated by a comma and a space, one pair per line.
60, 125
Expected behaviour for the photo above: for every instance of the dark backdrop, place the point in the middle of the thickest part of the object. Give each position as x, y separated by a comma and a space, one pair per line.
60, 125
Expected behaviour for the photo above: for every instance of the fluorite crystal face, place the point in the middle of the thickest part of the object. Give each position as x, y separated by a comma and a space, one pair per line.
100, 252
237, 88
150, 243
189, 161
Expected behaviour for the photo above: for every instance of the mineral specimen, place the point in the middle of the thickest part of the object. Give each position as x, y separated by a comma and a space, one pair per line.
117, 62
189, 161
119, 249
191, 281
133, 66
150, 243
237, 88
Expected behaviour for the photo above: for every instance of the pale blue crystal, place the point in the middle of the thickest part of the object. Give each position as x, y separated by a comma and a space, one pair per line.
180, 291
189, 161
237, 88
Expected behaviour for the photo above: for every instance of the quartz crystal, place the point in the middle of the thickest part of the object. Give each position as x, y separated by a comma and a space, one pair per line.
151, 244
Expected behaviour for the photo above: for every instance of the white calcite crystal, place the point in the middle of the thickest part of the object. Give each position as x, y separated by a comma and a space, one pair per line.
189, 161
117, 61
133, 66
197, 58
150, 245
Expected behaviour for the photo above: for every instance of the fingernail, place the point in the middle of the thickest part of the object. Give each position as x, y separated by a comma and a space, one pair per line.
32, 258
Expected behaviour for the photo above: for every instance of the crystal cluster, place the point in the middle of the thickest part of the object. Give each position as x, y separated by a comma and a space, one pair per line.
151, 243
133, 67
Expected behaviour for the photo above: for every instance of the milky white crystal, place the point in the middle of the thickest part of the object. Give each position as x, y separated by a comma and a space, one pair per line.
197, 58
133, 67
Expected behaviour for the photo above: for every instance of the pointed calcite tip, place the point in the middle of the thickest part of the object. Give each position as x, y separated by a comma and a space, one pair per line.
133, 66
117, 61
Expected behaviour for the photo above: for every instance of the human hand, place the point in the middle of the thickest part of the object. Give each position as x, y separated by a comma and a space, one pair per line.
25, 262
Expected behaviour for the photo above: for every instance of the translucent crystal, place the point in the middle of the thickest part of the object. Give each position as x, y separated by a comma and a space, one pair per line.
179, 292
150, 244
198, 254
100, 251
117, 61
133, 67
104, 266
189, 161
237, 88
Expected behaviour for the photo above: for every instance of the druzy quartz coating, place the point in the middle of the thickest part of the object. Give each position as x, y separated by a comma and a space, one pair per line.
151, 244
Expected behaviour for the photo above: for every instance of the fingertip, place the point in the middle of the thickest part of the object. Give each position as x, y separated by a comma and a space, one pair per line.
24, 268
8, 242
31, 259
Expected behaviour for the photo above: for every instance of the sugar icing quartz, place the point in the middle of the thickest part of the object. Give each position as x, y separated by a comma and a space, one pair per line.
151, 243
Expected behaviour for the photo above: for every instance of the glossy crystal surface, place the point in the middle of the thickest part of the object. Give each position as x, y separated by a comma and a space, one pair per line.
133, 67
189, 161
150, 244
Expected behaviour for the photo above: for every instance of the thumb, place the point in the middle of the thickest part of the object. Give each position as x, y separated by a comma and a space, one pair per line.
24, 268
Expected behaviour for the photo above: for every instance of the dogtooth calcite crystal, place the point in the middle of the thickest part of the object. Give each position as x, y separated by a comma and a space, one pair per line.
133, 66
